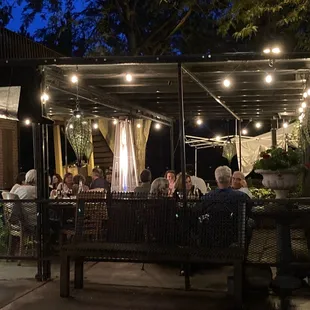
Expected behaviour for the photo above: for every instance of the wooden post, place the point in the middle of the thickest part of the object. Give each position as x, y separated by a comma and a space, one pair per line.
58, 151
91, 160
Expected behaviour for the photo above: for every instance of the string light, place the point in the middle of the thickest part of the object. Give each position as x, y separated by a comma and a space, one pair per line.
95, 125
258, 125
227, 83
74, 79
300, 110
305, 94
304, 105
268, 78
138, 125
199, 121
128, 77
301, 117
115, 122
267, 51
276, 50
244, 131
45, 97
218, 138
285, 124
27, 121
157, 126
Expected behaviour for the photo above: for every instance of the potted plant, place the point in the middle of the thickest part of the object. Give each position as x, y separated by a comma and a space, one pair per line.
280, 169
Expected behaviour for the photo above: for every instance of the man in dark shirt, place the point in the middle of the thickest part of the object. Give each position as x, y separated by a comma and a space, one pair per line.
98, 181
145, 187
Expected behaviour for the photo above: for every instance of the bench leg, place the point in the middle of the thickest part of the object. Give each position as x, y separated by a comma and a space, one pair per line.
79, 273
238, 284
65, 275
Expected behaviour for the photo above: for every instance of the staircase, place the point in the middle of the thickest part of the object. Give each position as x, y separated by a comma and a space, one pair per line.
103, 155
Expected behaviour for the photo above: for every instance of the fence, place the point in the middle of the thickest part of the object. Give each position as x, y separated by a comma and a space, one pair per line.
277, 232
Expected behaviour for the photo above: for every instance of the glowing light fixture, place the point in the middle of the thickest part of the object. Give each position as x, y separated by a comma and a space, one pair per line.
199, 121
27, 121
276, 50
227, 83
305, 94
285, 124
304, 105
74, 79
244, 131
308, 91
218, 138
115, 122
157, 126
128, 77
300, 110
95, 126
45, 97
258, 125
138, 125
301, 117
266, 51
268, 78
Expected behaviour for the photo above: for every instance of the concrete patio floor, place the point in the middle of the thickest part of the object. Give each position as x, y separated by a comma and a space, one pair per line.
125, 286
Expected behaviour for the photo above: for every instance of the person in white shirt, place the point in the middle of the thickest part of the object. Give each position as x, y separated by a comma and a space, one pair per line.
196, 182
239, 183
29, 192
20, 180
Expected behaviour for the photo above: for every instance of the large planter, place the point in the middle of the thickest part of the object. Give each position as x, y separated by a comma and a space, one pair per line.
281, 181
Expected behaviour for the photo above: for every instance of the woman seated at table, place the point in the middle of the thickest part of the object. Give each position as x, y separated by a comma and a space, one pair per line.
79, 184
56, 180
191, 191
171, 177
65, 188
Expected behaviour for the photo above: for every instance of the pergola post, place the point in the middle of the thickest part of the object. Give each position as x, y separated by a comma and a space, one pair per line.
58, 150
171, 147
196, 161
274, 132
182, 130
240, 145
91, 160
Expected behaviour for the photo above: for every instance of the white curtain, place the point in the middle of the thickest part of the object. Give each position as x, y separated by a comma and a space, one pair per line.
124, 174
252, 147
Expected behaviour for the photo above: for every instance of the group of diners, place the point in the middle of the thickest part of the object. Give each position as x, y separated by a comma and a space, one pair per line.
26, 184
171, 184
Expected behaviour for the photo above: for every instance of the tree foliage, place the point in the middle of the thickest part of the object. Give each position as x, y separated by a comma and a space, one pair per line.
281, 19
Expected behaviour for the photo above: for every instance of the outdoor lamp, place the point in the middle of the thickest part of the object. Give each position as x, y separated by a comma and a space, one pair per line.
74, 79
45, 97
199, 122
27, 121
268, 78
227, 83
244, 131
128, 77
77, 113
304, 105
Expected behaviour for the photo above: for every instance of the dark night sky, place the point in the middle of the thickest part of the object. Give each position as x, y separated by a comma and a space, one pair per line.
158, 149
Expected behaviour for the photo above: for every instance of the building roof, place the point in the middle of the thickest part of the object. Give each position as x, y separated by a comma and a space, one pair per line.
15, 46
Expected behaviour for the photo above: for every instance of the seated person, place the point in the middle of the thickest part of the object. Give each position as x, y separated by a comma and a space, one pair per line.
160, 187
98, 181
239, 183
79, 184
145, 178
20, 180
220, 210
191, 190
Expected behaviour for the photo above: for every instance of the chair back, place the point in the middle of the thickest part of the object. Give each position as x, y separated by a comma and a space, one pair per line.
11, 210
9, 196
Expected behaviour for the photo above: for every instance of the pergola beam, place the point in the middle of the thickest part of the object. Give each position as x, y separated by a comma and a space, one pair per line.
194, 78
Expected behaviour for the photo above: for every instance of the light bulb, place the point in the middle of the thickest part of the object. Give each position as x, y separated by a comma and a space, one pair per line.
45, 97
199, 122
78, 115
244, 131
304, 105
276, 50
308, 91
258, 125
157, 126
128, 77
138, 125
95, 125
268, 78
266, 51
218, 138
71, 126
74, 79
285, 124
301, 117
27, 121
227, 83
300, 110
305, 94
115, 122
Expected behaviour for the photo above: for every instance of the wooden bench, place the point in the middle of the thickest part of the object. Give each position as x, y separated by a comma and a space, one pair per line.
145, 231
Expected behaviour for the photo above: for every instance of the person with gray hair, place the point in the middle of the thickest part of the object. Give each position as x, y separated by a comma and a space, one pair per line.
223, 176
160, 187
29, 189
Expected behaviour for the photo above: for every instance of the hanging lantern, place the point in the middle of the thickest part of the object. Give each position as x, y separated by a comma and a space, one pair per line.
229, 151
79, 132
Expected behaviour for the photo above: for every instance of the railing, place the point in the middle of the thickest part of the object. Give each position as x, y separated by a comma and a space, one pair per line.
277, 232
